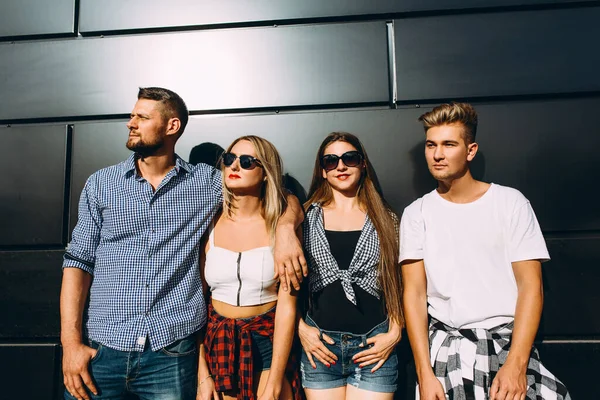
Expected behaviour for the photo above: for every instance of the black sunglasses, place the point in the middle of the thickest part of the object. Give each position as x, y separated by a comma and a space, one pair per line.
350, 159
246, 161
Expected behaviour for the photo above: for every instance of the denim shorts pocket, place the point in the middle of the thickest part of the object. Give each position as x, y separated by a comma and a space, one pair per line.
181, 347
96, 346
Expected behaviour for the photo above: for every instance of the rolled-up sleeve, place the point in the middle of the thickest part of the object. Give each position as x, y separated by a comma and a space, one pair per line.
81, 251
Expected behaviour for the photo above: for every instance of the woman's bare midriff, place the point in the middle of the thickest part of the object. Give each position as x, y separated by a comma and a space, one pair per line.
229, 311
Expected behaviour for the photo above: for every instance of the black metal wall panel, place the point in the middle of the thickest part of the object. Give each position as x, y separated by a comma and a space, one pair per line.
36, 17
32, 196
388, 135
513, 53
29, 294
575, 365
430, 5
116, 15
254, 67
95, 146
570, 282
546, 149
110, 15
523, 145
28, 371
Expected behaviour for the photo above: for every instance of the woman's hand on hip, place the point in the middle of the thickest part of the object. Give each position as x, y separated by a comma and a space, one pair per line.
380, 347
313, 345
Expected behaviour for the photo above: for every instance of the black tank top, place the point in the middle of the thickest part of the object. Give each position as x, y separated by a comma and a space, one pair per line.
330, 308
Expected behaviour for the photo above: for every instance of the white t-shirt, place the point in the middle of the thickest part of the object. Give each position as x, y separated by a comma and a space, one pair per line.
468, 250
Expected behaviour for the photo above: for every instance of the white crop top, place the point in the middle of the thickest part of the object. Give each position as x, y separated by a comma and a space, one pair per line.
244, 278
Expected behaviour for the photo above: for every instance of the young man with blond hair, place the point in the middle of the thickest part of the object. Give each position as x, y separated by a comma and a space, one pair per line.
471, 256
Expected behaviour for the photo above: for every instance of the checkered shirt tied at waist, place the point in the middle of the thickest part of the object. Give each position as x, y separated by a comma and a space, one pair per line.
324, 269
142, 248
493, 346
229, 353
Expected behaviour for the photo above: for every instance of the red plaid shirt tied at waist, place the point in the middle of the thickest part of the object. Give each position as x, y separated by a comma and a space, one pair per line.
228, 345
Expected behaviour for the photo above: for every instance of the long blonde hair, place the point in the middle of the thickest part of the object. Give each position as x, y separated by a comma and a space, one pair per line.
385, 221
272, 199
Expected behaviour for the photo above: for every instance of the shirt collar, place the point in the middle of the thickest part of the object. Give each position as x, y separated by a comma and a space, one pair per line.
315, 205
180, 163
128, 165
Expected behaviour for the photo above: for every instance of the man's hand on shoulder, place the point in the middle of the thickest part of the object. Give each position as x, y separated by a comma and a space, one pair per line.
290, 264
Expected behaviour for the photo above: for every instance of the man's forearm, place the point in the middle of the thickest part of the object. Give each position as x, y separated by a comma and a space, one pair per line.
527, 319
73, 295
288, 253
530, 299
293, 215
203, 369
415, 314
285, 327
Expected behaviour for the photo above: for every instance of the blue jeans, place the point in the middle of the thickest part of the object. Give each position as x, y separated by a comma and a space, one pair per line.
166, 374
344, 371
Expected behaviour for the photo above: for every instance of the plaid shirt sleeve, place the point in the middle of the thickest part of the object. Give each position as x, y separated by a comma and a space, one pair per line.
216, 179
81, 251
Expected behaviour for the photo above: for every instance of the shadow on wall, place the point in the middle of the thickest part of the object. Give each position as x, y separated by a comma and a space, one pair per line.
207, 153
423, 182
478, 166
292, 184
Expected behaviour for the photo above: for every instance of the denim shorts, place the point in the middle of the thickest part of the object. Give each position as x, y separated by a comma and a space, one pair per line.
262, 349
262, 352
344, 371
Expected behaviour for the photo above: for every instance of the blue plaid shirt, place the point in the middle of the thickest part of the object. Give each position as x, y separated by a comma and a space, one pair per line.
142, 248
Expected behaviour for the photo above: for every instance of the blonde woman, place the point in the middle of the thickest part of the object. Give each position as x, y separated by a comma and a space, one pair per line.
251, 320
354, 319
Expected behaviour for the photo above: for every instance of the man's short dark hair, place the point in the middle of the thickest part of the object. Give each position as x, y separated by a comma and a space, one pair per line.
172, 104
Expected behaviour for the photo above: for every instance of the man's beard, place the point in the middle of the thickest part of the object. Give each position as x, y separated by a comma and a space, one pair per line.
144, 149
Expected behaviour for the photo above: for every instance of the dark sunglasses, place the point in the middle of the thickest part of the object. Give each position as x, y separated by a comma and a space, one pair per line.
246, 161
350, 159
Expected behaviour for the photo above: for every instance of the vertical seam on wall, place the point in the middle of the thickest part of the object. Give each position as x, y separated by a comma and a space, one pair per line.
392, 78
67, 185
76, 18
